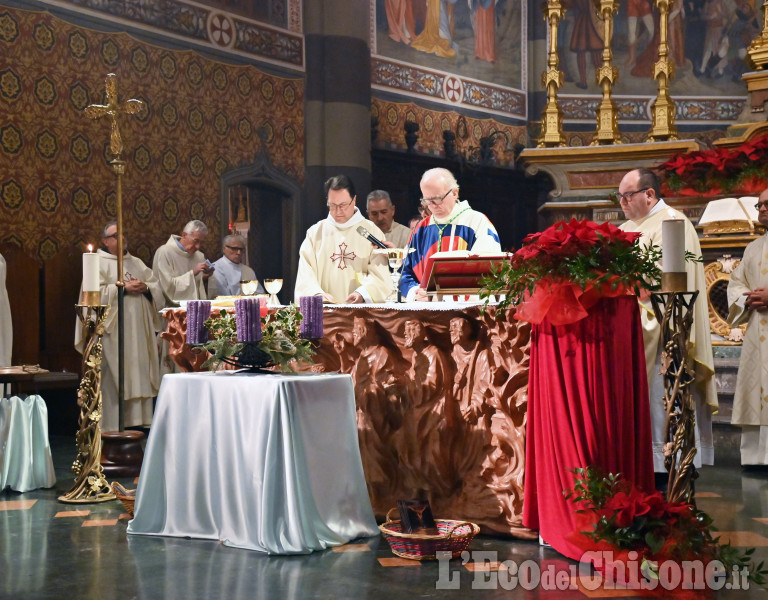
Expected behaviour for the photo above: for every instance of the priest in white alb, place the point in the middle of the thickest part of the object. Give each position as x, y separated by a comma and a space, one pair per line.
335, 261
640, 199
181, 267
6, 328
141, 366
748, 302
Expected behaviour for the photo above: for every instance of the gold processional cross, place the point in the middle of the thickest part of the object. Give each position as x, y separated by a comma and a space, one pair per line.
112, 109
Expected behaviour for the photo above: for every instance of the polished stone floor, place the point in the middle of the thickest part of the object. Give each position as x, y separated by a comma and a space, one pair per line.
54, 550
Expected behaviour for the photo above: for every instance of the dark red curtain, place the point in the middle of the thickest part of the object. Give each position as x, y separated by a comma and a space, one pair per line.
587, 405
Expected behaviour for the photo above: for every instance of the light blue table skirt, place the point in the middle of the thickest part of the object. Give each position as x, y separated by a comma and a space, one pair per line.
25, 454
263, 462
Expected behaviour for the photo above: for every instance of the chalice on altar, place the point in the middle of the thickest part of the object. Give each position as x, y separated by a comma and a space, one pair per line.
395, 259
249, 288
273, 286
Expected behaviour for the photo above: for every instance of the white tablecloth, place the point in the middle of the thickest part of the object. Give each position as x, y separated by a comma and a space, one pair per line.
25, 452
263, 462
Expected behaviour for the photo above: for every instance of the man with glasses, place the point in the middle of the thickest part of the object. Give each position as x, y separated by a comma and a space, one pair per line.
640, 199
230, 269
453, 225
748, 301
142, 303
181, 267
335, 261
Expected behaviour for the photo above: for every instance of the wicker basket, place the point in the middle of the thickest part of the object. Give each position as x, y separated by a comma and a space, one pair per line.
454, 537
127, 497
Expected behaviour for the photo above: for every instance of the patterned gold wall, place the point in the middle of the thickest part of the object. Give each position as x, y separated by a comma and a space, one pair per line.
202, 118
392, 117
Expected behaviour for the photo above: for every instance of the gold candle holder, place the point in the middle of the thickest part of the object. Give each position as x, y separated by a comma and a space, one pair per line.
674, 311
90, 299
90, 484
674, 282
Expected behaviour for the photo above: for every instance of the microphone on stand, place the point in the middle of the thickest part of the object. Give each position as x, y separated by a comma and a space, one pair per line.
367, 235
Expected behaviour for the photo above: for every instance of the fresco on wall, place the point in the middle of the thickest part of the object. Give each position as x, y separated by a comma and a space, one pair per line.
463, 52
707, 39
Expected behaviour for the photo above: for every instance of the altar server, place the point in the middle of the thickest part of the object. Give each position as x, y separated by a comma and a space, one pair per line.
640, 200
748, 301
141, 366
452, 225
6, 327
335, 261
181, 267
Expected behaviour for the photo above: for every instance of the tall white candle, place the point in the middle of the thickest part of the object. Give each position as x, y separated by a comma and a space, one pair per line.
673, 246
90, 271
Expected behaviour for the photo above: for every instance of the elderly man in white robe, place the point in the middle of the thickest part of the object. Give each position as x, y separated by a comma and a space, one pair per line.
142, 303
748, 301
335, 261
230, 269
181, 267
640, 200
6, 327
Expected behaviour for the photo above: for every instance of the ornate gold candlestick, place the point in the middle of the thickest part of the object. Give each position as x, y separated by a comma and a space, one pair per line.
90, 484
552, 79
758, 49
607, 114
663, 108
674, 310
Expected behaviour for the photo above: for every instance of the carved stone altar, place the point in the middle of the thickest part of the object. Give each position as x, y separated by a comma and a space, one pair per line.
441, 405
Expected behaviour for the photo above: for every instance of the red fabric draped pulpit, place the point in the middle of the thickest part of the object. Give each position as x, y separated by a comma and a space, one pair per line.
587, 405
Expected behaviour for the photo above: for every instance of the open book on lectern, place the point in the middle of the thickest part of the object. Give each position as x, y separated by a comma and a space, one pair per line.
460, 271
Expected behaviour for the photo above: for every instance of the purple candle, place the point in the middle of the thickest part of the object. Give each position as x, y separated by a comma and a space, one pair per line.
247, 315
198, 312
311, 308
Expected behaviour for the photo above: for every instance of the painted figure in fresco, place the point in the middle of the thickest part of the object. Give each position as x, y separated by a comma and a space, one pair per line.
585, 39
399, 20
638, 13
714, 16
484, 23
431, 40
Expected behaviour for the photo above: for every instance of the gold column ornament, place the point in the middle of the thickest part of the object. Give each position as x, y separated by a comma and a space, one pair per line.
552, 79
607, 75
663, 108
758, 49
90, 484
113, 109
674, 310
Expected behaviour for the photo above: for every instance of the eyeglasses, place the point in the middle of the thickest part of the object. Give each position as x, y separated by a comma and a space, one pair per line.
114, 236
341, 206
760, 205
437, 201
235, 248
627, 196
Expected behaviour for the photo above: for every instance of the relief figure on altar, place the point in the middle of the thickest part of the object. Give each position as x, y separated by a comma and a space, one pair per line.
429, 430
380, 407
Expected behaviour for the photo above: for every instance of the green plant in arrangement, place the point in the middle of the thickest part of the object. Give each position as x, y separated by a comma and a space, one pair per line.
281, 343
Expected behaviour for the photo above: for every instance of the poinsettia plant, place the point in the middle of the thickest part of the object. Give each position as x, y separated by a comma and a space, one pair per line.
618, 516
560, 272
719, 171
